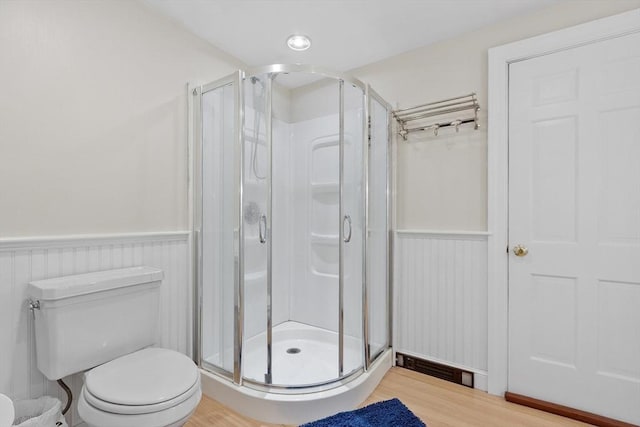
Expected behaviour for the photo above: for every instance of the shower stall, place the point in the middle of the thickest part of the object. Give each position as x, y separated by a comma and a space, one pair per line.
292, 229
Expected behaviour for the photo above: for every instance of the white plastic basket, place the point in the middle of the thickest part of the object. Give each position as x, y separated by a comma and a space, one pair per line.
42, 412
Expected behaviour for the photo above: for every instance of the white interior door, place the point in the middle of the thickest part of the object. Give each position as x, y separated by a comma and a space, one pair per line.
574, 203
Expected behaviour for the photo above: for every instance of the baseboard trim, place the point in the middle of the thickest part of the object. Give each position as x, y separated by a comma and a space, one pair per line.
565, 411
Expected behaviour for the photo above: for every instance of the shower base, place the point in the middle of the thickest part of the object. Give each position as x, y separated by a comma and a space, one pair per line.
314, 363
301, 355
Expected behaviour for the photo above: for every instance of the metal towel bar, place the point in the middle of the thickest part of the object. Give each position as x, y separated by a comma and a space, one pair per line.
449, 106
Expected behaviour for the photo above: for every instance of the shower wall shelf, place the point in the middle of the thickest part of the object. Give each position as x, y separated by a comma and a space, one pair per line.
419, 117
324, 239
325, 187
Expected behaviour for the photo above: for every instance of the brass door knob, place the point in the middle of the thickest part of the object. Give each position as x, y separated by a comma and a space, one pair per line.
520, 250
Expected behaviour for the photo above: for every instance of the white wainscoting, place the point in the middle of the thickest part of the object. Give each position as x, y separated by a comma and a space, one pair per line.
440, 298
24, 260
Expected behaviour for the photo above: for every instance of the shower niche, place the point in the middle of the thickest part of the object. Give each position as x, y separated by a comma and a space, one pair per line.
292, 226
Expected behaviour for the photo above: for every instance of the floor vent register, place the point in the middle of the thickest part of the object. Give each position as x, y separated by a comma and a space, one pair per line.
438, 370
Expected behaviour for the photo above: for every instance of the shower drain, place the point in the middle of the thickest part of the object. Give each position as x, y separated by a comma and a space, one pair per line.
293, 350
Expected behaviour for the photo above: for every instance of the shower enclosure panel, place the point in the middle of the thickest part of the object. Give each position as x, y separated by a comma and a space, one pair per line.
256, 217
352, 227
292, 228
217, 210
379, 236
267, 214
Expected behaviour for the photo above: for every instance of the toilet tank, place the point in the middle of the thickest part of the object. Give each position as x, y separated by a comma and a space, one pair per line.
85, 320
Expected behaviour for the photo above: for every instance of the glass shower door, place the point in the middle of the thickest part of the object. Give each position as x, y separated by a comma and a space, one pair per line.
256, 236
352, 191
378, 312
217, 215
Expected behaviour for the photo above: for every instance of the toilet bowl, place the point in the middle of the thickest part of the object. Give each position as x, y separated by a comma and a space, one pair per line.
153, 387
6, 411
105, 324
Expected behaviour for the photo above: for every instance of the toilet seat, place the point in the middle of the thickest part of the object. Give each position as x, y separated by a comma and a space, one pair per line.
150, 387
172, 417
138, 409
146, 377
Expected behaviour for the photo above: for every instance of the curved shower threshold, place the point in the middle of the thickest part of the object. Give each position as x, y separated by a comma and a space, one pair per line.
298, 408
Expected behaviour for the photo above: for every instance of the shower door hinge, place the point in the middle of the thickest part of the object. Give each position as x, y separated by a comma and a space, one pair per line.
369, 130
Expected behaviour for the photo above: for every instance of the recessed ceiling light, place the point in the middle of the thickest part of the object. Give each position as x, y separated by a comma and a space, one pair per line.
298, 42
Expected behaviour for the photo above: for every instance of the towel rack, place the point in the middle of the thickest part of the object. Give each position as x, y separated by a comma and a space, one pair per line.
420, 113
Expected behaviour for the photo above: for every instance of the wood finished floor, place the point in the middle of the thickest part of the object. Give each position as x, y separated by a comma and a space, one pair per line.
438, 403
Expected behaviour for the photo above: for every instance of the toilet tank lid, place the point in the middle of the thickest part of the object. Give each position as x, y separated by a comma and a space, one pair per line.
81, 284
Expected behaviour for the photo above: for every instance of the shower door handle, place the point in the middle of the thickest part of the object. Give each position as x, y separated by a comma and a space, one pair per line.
346, 237
262, 228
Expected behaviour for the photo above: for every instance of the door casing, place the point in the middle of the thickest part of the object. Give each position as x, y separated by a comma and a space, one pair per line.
497, 162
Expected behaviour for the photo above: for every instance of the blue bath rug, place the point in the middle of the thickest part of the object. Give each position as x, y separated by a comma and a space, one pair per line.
389, 413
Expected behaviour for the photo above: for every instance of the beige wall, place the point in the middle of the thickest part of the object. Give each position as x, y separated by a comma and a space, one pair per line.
442, 181
93, 116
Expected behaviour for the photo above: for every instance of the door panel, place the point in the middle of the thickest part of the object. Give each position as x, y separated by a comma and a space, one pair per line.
377, 233
574, 202
352, 235
256, 182
218, 214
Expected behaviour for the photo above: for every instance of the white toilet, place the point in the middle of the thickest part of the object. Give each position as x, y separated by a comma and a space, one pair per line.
6, 411
105, 322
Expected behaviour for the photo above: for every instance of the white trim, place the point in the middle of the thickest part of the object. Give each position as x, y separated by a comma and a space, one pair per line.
190, 154
444, 234
190, 88
497, 159
43, 242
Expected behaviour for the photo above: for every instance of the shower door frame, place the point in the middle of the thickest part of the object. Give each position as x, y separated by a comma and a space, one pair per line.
196, 176
372, 95
237, 79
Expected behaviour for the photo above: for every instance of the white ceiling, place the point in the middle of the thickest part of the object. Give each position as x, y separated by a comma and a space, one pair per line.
345, 34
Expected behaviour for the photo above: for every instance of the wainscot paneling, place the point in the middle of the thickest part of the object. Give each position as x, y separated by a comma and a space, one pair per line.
440, 298
25, 259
